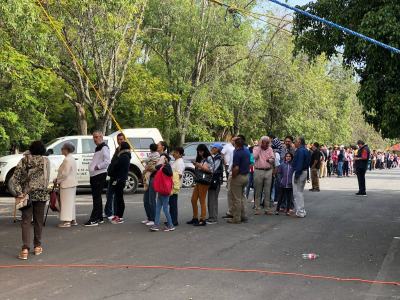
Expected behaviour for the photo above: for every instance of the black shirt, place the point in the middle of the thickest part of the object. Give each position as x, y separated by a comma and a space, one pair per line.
316, 156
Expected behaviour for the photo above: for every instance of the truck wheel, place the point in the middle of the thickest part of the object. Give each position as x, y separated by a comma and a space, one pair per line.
10, 187
131, 183
188, 179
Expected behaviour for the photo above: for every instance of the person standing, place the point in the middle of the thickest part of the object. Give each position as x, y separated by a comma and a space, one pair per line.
31, 177
178, 168
227, 154
240, 171
301, 163
264, 163
215, 186
361, 166
204, 167
118, 173
109, 207
288, 147
340, 158
324, 158
98, 175
68, 181
286, 196
316, 158
149, 197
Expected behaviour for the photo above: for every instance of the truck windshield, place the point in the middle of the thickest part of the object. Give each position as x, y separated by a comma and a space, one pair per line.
51, 142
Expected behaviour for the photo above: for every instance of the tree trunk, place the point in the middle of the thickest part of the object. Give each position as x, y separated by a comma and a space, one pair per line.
81, 119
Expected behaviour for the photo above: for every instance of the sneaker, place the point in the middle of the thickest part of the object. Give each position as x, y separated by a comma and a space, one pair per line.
150, 223
311, 190
91, 223
192, 222
64, 225
110, 218
145, 221
361, 194
211, 222
277, 213
74, 223
154, 228
244, 220
101, 221
117, 220
167, 229
200, 223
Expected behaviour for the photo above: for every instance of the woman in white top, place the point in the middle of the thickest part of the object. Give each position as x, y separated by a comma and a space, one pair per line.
67, 180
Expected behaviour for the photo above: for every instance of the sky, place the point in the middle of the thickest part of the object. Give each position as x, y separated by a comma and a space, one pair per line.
266, 5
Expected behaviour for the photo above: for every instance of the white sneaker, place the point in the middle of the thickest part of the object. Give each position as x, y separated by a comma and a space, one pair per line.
150, 223
145, 221
110, 218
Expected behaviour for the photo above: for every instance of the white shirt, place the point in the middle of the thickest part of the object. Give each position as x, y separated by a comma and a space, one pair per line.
227, 151
179, 167
67, 173
277, 159
101, 159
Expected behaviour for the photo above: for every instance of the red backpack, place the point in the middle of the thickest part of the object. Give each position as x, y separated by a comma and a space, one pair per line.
162, 183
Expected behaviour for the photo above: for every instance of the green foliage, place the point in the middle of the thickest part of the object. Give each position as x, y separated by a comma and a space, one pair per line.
377, 68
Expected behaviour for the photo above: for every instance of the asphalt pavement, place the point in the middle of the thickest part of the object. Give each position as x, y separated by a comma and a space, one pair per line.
355, 238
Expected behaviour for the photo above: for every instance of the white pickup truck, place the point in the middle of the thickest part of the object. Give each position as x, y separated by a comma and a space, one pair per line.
140, 138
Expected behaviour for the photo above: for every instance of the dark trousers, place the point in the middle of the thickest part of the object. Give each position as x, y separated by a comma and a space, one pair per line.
97, 184
149, 201
119, 203
346, 168
37, 212
173, 208
109, 208
286, 199
361, 179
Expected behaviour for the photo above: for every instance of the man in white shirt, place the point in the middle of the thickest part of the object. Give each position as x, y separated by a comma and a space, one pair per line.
227, 152
178, 166
98, 175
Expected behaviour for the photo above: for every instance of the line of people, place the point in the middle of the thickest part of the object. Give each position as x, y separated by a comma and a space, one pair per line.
277, 171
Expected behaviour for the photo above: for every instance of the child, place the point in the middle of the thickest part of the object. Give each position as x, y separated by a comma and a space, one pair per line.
286, 174
151, 162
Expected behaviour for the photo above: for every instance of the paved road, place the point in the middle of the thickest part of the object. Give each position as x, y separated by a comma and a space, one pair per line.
355, 238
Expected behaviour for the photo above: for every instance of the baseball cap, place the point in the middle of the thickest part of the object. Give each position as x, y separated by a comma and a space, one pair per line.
217, 145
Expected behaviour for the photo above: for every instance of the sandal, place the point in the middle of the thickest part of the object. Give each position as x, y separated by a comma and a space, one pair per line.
64, 225
23, 254
38, 250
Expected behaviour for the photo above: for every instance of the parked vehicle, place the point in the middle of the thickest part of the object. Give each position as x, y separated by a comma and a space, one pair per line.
140, 138
189, 157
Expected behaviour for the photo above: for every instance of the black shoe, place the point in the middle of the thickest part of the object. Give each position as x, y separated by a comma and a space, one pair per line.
200, 223
227, 216
361, 194
175, 224
192, 222
101, 221
91, 223
276, 213
244, 220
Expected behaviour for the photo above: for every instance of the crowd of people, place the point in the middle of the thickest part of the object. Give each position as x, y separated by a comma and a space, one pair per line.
276, 171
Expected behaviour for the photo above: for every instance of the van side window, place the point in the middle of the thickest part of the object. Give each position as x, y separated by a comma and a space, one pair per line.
57, 148
141, 143
88, 146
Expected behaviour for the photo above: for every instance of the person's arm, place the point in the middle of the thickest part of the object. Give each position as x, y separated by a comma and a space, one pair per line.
167, 170
106, 159
63, 171
298, 168
256, 152
235, 171
19, 176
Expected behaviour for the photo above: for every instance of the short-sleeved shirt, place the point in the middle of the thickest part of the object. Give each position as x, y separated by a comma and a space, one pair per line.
241, 158
179, 167
316, 156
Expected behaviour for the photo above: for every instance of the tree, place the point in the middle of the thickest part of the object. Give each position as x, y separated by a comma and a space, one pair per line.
377, 68
195, 44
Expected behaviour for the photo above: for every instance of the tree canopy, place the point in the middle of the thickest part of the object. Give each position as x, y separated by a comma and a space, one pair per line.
376, 67
189, 68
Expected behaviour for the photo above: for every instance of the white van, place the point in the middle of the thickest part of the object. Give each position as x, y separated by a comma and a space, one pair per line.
140, 138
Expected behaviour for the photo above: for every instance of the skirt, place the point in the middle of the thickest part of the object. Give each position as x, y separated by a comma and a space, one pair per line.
67, 198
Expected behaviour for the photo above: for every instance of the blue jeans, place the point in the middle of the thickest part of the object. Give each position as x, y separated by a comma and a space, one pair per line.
249, 184
109, 208
340, 168
163, 201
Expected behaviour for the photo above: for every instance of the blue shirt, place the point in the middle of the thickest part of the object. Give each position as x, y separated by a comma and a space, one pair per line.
301, 161
241, 158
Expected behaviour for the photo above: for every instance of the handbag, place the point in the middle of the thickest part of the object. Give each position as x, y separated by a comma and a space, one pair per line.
55, 203
23, 202
162, 183
203, 177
